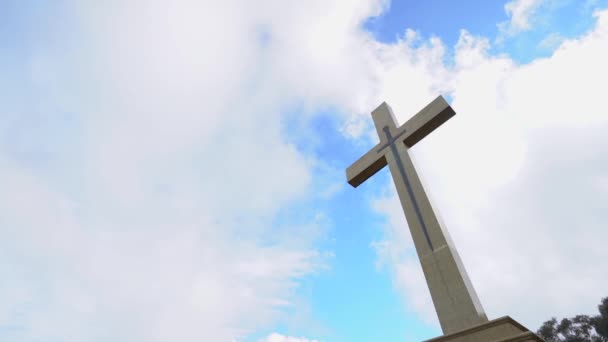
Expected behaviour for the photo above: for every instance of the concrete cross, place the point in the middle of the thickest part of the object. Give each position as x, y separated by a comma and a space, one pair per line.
454, 297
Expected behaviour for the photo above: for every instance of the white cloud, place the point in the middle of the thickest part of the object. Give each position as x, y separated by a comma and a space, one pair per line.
275, 337
152, 217
551, 41
520, 13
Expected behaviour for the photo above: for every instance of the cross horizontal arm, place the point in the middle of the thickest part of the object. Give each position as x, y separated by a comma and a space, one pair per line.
365, 167
425, 121
411, 132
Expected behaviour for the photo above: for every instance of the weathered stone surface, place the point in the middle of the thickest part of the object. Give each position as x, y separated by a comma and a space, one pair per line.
460, 313
453, 295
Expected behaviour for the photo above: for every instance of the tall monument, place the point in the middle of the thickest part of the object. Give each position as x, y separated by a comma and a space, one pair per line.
458, 308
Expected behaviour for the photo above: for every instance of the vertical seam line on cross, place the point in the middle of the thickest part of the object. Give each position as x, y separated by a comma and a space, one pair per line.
408, 186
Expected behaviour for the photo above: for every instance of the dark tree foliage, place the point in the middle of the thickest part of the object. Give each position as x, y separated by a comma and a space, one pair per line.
581, 328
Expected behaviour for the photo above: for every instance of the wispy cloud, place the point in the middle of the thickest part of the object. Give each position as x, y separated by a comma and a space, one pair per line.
521, 14
275, 337
145, 158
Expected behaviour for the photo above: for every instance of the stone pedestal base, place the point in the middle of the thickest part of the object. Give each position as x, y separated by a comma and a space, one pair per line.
504, 329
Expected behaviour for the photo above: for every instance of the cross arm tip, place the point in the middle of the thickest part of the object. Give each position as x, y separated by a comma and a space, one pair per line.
352, 179
364, 168
428, 119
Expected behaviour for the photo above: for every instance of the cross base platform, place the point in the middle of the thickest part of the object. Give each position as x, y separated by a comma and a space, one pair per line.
504, 329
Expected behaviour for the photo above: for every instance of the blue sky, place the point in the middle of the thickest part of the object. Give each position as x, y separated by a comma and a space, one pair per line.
175, 170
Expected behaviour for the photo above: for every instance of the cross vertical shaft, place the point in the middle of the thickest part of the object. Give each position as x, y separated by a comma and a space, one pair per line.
453, 295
